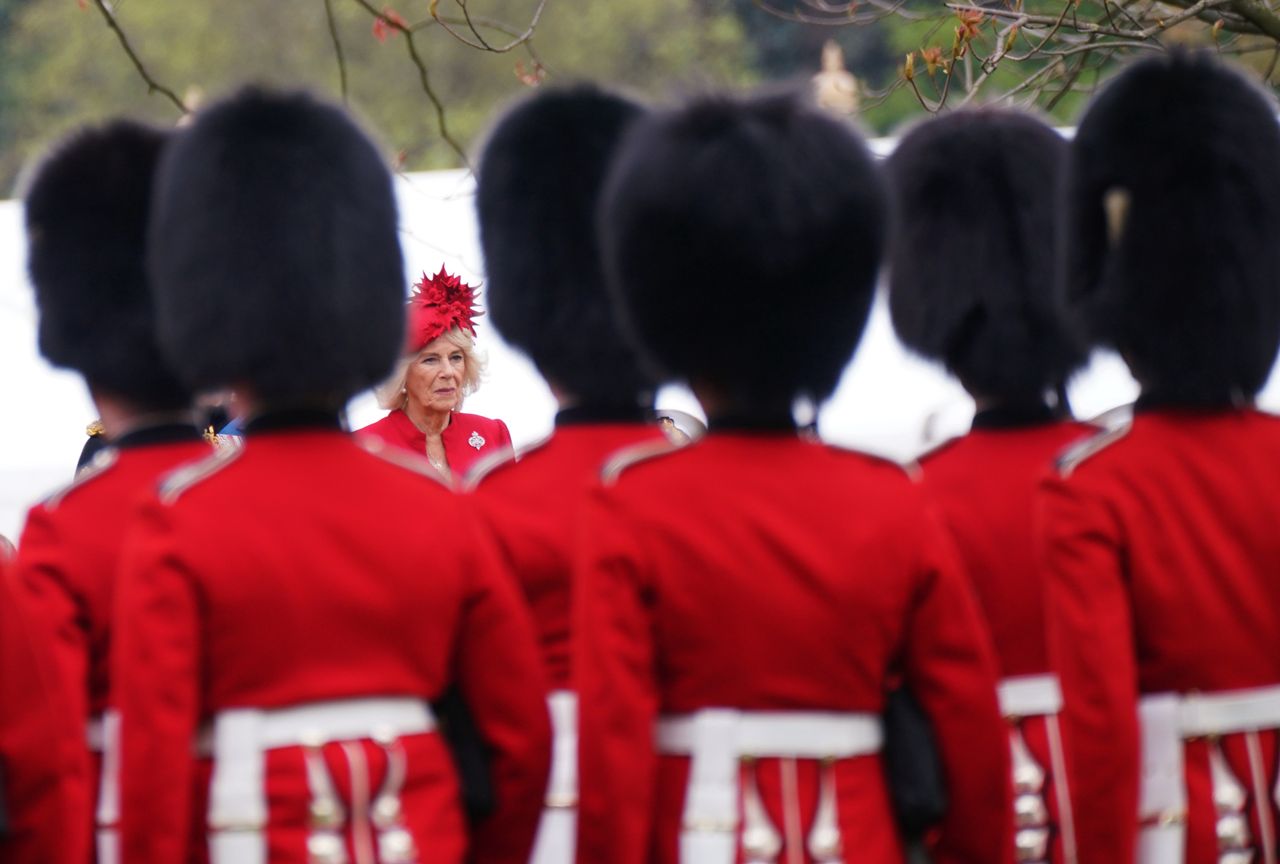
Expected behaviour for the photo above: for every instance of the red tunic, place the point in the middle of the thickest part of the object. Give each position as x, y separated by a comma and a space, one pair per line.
45, 779
305, 568
984, 486
467, 439
70, 551
759, 571
531, 507
1162, 550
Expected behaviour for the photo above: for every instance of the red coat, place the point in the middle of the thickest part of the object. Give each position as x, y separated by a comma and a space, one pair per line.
69, 554
984, 486
1162, 550
45, 779
531, 508
304, 568
759, 571
467, 439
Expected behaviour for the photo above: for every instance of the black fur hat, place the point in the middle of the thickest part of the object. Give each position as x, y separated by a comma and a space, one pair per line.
972, 251
1170, 250
86, 218
274, 251
743, 237
536, 194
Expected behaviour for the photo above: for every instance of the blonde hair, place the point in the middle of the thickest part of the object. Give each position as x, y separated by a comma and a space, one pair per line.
391, 392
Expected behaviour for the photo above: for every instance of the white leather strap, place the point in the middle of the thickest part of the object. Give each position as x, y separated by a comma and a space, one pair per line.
241, 736
1162, 796
557, 830
95, 735
105, 732
717, 738
1029, 696
562, 787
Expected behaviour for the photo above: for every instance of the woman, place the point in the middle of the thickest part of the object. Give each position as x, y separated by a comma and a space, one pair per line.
440, 366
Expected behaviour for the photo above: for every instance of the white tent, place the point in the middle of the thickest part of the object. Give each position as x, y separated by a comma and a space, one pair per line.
888, 401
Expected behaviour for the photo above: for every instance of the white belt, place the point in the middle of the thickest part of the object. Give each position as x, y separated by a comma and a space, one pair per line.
717, 738
1168, 719
557, 831
241, 737
763, 734
1229, 711
1029, 696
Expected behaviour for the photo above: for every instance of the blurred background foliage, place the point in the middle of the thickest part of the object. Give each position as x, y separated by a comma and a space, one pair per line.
61, 65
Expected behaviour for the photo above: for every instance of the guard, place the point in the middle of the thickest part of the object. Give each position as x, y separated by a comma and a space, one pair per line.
86, 218
745, 604
977, 190
1160, 542
292, 607
536, 197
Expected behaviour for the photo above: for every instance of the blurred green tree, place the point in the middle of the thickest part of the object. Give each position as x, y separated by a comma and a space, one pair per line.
62, 65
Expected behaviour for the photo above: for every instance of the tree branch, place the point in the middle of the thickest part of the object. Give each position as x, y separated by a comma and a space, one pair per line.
337, 48
424, 77
1259, 16
472, 24
153, 86
1090, 27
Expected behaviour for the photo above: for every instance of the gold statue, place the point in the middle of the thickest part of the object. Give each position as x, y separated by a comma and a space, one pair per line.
834, 88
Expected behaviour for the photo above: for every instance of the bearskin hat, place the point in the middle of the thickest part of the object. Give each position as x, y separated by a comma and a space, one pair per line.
274, 251
86, 219
1172, 213
972, 251
539, 183
743, 238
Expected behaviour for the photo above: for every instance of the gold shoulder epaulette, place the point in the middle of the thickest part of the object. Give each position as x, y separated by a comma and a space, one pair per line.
176, 482
94, 468
634, 455
1075, 455
218, 441
95, 429
401, 458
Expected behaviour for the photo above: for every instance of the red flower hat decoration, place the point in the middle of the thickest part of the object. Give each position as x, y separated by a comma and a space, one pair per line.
437, 304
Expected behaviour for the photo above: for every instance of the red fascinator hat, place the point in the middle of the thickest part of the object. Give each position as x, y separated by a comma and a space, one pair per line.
437, 304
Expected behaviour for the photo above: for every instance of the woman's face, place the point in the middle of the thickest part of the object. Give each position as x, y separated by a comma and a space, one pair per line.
434, 378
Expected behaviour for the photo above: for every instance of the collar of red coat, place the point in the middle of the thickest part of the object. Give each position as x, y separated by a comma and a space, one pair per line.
1016, 416
1158, 399
764, 422
282, 419
159, 433
592, 414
